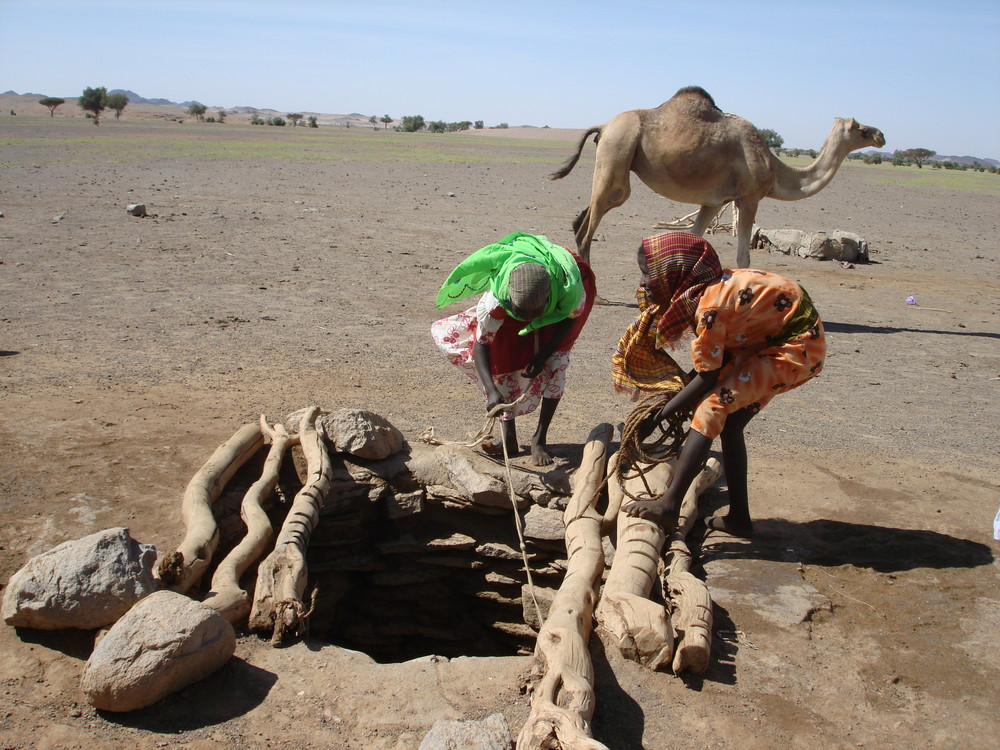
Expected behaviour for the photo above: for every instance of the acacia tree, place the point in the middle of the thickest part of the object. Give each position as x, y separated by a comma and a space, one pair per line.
413, 123
386, 119
94, 101
117, 102
771, 138
294, 117
197, 111
51, 102
918, 155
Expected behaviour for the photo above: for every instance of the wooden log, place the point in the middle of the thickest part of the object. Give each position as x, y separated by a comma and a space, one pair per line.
690, 601
183, 568
639, 626
226, 596
692, 612
562, 680
282, 577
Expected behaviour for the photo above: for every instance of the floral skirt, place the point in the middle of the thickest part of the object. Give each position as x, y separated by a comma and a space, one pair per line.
455, 336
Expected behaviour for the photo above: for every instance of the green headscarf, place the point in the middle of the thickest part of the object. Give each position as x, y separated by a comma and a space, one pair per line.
490, 267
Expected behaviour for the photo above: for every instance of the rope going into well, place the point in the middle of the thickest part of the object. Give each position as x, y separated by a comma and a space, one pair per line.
485, 432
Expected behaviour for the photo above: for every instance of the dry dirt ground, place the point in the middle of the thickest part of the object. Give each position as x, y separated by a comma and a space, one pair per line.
288, 267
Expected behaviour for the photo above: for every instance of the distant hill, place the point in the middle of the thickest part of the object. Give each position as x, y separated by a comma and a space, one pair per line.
134, 98
970, 160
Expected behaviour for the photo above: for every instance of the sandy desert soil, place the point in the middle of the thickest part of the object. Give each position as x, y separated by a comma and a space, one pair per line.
287, 267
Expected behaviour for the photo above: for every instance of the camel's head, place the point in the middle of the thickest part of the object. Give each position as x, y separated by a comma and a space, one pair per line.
860, 136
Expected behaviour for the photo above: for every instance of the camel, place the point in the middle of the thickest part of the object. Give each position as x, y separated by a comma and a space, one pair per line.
690, 151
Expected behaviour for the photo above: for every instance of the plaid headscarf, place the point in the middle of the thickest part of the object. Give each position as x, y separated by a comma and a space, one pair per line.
490, 268
680, 266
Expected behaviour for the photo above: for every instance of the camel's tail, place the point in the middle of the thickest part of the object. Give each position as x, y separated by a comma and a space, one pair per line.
566, 168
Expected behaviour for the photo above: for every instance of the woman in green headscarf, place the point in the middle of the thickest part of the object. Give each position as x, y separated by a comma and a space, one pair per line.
536, 297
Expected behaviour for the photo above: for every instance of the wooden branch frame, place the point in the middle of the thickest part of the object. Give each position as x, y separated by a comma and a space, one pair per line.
226, 596
282, 577
562, 681
639, 626
183, 568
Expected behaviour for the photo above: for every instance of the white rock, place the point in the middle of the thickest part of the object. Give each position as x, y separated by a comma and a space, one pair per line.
492, 733
164, 643
85, 583
362, 433
544, 524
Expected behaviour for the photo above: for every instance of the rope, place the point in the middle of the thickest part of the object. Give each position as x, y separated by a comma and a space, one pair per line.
635, 457
485, 432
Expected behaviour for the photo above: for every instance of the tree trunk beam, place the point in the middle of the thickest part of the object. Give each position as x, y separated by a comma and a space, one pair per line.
183, 568
639, 626
690, 600
562, 681
226, 596
282, 577
692, 612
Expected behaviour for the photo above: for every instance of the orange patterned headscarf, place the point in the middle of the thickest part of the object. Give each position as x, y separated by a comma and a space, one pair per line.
679, 267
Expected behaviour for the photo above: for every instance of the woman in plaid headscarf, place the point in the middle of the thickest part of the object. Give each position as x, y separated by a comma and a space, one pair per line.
536, 297
756, 334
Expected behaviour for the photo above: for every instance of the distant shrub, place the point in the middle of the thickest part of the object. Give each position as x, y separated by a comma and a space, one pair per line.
278, 122
312, 121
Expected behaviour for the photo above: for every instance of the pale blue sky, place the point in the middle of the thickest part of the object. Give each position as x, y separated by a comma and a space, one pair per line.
926, 73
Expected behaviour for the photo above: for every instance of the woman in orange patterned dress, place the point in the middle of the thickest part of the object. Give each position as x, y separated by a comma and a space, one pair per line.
756, 334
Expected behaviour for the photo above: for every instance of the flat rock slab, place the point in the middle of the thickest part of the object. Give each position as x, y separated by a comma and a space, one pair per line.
84, 583
774, 590
164, 643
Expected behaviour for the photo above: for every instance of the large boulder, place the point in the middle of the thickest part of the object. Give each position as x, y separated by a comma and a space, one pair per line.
164, 643
84, 583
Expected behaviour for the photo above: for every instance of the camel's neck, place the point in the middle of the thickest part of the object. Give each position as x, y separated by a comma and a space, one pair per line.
794, 183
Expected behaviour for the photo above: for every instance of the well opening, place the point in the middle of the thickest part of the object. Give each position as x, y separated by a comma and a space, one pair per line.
397, 571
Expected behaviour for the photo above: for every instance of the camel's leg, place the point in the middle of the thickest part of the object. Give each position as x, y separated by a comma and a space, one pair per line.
747, 214
612, 171
706, 214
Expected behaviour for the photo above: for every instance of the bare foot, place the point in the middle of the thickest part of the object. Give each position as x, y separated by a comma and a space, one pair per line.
540, 456
656, 510
491, 446
599, 300
742, 527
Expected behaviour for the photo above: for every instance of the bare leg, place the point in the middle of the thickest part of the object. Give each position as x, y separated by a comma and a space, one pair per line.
734, 457
509, 431
663, 510
539, 455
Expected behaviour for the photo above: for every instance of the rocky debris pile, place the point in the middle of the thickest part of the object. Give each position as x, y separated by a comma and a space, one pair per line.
836, 245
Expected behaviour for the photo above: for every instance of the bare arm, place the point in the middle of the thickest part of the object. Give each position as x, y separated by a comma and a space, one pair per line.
484, 369
688, 397
537, 362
